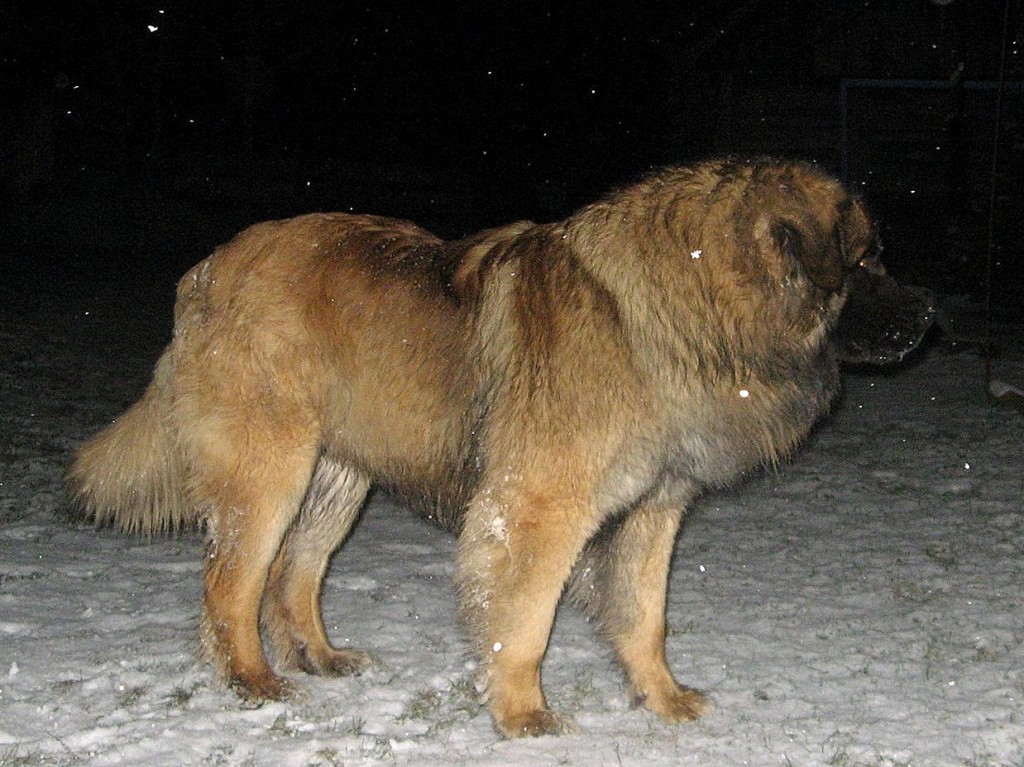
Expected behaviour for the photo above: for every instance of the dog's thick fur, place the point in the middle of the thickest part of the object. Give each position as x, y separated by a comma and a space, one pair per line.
557, 394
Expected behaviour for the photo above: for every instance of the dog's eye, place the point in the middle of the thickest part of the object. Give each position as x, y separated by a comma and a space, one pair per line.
872, 264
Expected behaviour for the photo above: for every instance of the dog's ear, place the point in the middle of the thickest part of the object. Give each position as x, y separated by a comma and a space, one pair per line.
825, 251
803, 239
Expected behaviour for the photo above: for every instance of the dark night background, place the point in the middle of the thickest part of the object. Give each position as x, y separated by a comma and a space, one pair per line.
135, 136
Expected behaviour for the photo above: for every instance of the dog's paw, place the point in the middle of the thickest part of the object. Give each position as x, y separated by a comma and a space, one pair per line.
335, 663
536, 723
677, 705
260, 688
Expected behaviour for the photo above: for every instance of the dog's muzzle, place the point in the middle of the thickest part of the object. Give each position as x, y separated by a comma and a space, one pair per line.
882, 321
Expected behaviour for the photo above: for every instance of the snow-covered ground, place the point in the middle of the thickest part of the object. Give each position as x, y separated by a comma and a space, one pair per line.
862, 606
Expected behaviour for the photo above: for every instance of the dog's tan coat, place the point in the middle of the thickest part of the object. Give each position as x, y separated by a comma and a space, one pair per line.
556, 394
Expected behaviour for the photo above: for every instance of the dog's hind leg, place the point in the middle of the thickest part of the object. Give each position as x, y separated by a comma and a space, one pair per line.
621, 580
292, 615
249, 480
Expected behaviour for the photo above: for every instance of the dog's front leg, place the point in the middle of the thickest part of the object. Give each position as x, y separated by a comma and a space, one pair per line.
515, 554
627, 599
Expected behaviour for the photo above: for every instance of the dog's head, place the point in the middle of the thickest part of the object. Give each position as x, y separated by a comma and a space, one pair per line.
816, 225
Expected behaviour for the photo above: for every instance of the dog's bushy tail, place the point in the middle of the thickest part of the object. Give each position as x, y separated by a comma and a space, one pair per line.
130, 474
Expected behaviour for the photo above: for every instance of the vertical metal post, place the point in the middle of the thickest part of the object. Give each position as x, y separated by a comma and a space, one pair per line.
844, 136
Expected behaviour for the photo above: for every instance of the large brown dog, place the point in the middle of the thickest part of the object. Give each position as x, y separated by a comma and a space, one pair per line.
557, 394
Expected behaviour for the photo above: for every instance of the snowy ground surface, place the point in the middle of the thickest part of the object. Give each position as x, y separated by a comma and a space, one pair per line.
863, 606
